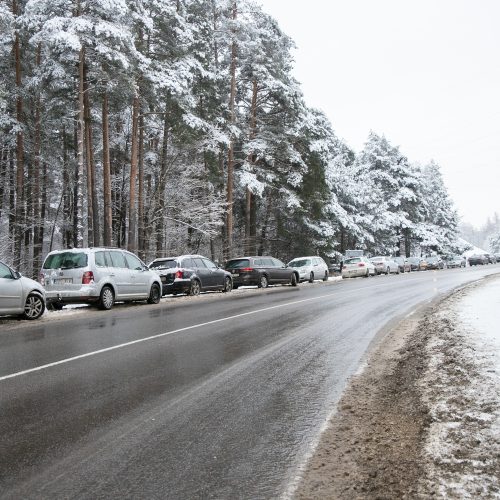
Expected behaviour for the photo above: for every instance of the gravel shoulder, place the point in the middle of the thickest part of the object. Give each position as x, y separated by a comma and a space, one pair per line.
421, 420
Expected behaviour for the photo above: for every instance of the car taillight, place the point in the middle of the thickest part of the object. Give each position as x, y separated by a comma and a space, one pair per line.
87, 278
41, 279
361, 264
179, 274
247, 269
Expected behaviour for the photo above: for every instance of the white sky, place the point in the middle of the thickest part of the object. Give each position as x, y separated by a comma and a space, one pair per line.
426, 73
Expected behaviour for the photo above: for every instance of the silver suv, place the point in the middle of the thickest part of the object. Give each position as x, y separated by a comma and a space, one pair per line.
100, 276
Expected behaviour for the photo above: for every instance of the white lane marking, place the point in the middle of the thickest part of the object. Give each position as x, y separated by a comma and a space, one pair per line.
159, 335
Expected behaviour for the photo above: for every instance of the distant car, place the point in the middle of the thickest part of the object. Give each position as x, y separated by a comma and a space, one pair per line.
191, 274
497, 256
404, 265
435, 262
358, 266
100, 276
20, 295
385, 265
416, 263
478, 260
455, 261
491, 258
261, 271
310, 268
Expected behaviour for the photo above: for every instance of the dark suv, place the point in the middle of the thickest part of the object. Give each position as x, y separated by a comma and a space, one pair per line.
191, 274
261, 271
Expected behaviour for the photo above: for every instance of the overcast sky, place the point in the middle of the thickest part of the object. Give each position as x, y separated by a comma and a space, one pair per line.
424, 73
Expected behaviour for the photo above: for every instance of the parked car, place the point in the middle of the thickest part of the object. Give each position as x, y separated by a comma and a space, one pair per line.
20, 295
310, 268
435, 262
455, 261
416, 263
478, 260
191, 274
491, 258
261, 271
404, 265
497, 256
100, 276
358, 266
385, 265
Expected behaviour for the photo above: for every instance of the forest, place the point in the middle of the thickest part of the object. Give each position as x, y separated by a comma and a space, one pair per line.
176, 126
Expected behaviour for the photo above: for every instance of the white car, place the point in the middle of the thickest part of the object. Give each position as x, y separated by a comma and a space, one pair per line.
385, 265
20, 295
98, 276
310, 268
357, 266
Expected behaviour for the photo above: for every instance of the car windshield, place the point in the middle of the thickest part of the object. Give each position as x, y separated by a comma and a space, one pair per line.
65, 260
432, 259
163, 264
300, 263
237, 264
378, 259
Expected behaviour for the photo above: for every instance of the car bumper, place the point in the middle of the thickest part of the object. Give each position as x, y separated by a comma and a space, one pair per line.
83, 294
177, 286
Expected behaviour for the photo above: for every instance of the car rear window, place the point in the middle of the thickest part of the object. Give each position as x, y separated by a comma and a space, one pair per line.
163, 264
352, 261
65, 260
238, 264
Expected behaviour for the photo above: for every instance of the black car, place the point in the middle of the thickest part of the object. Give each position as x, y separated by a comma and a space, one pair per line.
415, 263
261, 271
435, 262
478, 259
191, 274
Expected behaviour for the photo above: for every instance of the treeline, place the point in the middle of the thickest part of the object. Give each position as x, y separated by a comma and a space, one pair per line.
175, 126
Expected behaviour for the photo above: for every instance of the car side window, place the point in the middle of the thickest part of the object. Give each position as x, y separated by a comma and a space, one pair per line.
209, 264
134, 262
100, 259
117, 259
198, 263
278, 263
189, 263
258, 262
267, 262
5, 272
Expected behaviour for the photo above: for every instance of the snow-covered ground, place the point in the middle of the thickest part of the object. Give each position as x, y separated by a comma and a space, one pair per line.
462, 389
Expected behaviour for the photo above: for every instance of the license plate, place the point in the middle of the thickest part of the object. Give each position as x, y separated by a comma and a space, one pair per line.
64, 281
235, 273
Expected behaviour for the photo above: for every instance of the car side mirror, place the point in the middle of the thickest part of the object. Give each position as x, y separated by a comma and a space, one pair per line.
17, 275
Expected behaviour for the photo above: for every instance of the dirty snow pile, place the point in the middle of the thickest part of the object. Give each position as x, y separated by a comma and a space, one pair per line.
462, 390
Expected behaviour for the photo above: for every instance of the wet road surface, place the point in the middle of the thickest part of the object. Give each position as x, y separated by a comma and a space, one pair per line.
220, 396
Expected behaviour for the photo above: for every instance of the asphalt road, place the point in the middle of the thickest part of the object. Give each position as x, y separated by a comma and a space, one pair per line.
218, 396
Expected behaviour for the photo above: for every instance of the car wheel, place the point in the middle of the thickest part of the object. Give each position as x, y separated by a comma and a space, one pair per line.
325, 277
107, 298
367, 275
293, 279
235, 287
311, 277
54, 306
388, 271
195, 288
34, 306
228, 284
263, 281
398, 271
154, 294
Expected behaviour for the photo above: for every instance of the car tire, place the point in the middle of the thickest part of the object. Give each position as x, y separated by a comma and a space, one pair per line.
228, 284
107, 298
195, 288
263, 283
388, 271
54, 306
154, 294
34, 306
293, 279
398, 271
311, 277
367, 275
235, 287
325, 277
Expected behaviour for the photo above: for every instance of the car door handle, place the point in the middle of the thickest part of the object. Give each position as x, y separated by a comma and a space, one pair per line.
112, 275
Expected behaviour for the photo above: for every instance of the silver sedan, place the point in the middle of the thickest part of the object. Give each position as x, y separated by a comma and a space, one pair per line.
385, 265
357, 266
20, 295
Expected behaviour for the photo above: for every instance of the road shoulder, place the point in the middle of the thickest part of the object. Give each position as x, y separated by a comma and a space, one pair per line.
381, 442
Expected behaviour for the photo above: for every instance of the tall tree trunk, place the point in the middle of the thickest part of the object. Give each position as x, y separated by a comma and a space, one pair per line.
140, 194
160, 202
132, 226
108, 216
249, 242
67, 232
92, 202
80, 148
37, 242
12, 197
20, 207
4, 162
230, 160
